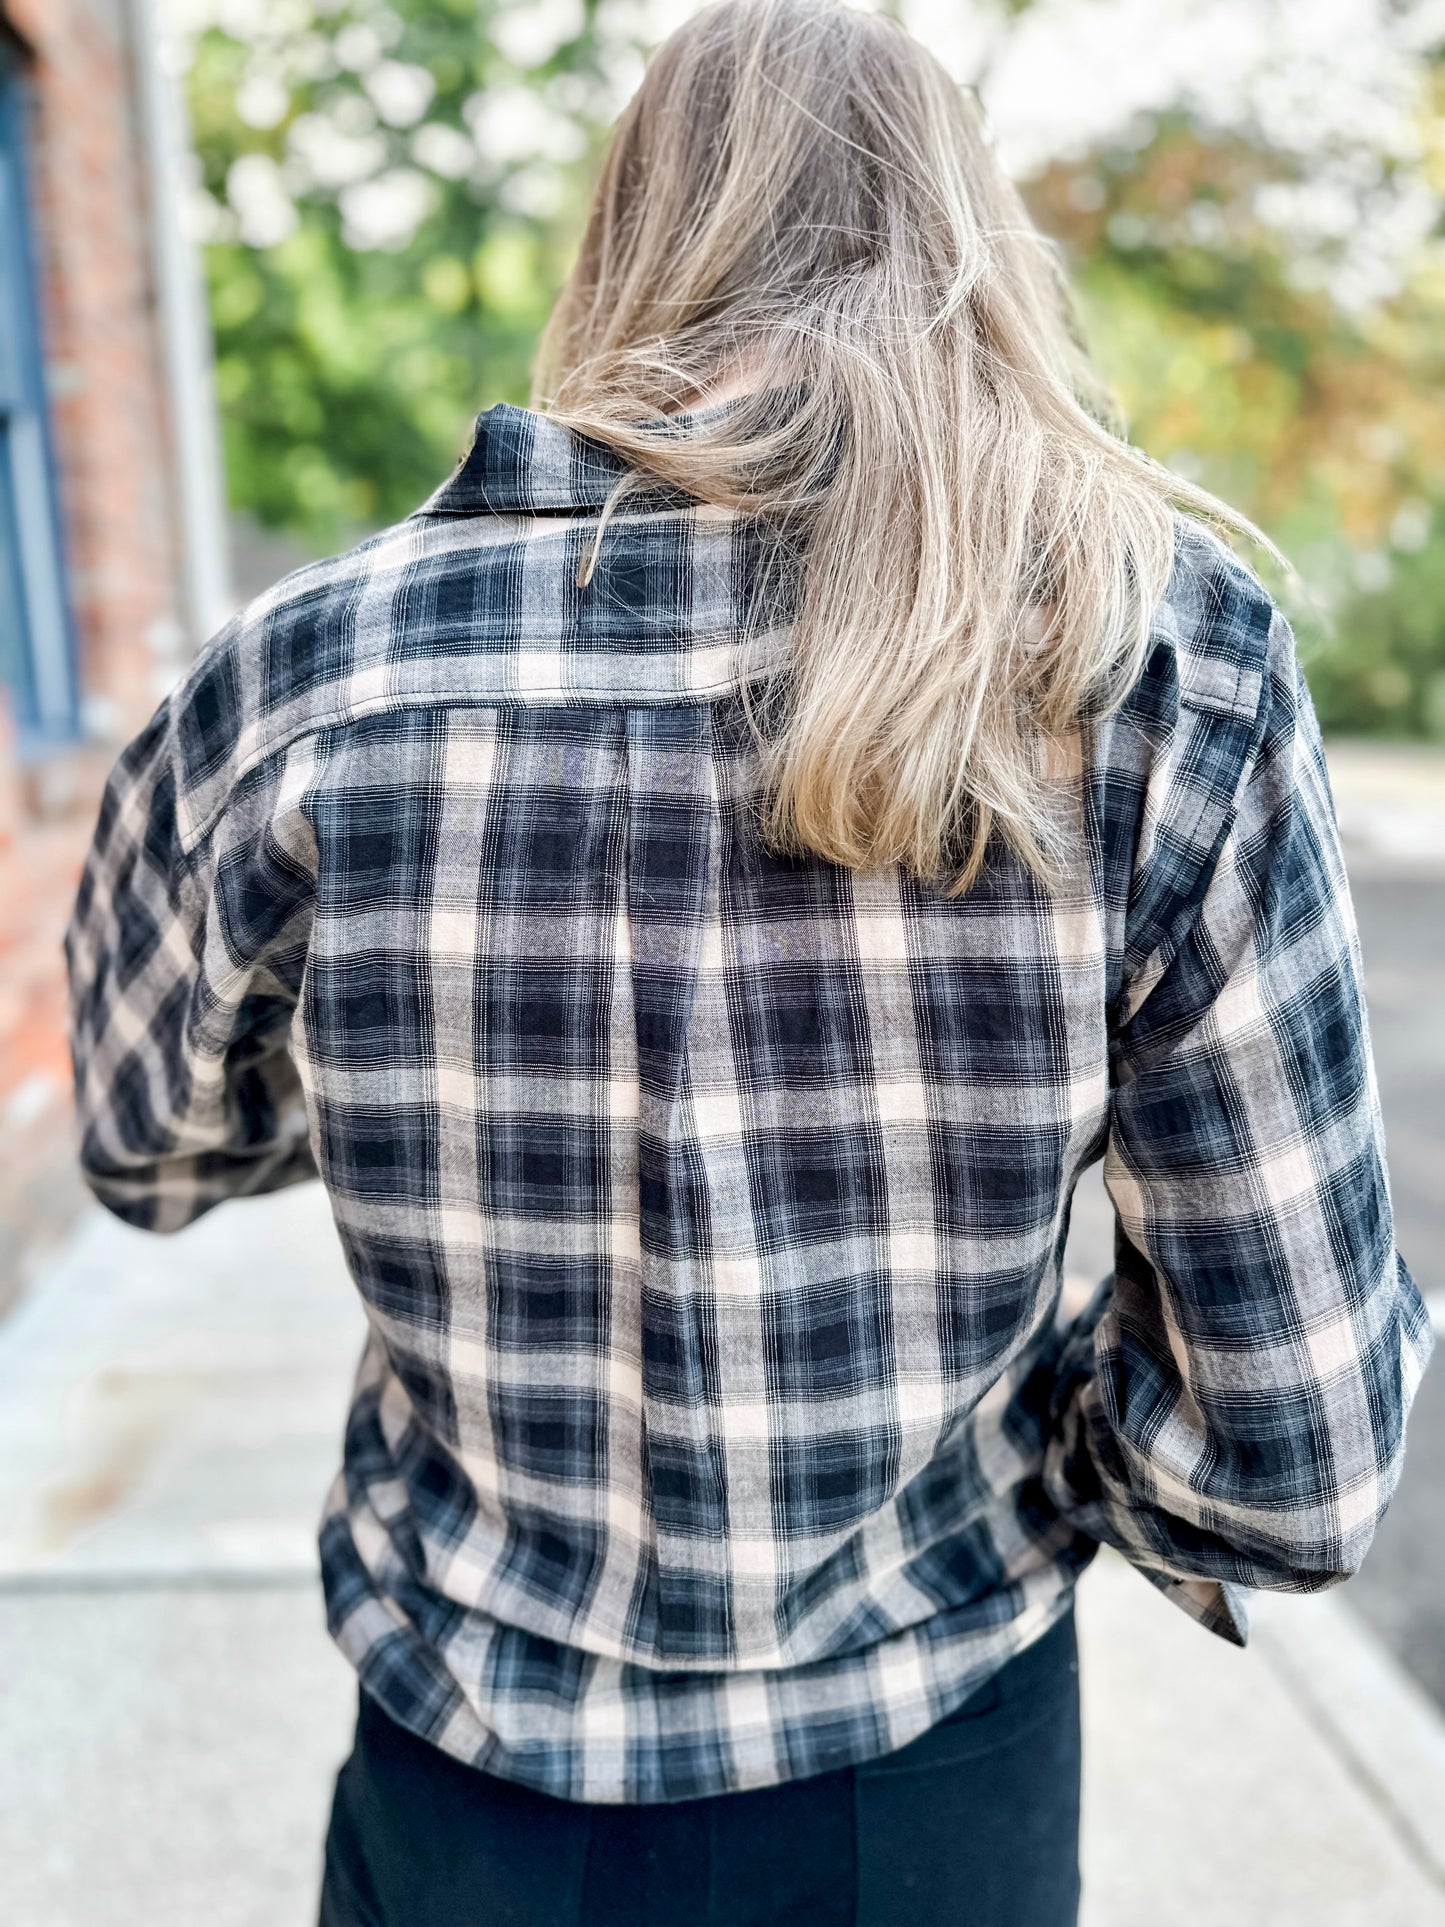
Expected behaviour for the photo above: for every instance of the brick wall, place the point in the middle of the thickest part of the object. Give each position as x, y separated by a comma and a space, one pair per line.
105, 378
102, 351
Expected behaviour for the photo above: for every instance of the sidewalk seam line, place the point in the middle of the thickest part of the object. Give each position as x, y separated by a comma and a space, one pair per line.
1332, 1731
20, 1585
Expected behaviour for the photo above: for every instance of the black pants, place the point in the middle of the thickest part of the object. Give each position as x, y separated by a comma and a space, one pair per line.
974, 1825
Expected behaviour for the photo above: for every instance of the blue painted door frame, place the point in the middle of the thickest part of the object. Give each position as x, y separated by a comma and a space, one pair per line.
37, 645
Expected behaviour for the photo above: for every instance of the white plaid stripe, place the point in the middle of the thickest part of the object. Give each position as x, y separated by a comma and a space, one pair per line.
715, 1426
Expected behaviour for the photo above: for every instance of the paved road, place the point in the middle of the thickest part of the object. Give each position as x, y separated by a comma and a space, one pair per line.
1401, 1589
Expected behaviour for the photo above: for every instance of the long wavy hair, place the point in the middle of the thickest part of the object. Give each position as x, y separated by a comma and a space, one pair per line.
799, 201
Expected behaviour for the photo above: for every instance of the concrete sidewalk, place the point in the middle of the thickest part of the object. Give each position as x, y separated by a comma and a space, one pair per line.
170, 1415
1390, 800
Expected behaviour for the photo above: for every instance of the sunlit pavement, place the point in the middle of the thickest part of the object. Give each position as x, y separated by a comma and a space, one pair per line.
170, 1418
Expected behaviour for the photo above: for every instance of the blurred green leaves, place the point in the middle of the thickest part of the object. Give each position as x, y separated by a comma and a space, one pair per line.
1324, 423
389, 198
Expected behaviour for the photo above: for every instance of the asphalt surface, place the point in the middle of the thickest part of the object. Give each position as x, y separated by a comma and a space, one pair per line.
1401, 1588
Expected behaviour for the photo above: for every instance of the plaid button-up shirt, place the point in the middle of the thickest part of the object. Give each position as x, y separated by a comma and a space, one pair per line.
717, 1423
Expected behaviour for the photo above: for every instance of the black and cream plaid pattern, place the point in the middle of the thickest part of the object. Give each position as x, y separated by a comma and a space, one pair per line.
717, 1424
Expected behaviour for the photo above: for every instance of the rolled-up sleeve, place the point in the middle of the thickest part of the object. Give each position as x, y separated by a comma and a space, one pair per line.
185, 960
1232, 1409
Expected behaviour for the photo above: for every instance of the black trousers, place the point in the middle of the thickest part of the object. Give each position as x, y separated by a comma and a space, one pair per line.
975, 1824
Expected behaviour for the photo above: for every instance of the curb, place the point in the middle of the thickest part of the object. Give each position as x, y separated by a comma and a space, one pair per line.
1386, 1731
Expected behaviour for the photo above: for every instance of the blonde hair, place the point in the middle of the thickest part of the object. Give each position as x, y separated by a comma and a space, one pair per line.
798, 191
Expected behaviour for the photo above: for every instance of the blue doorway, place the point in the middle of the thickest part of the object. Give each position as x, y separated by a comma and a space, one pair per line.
37, 658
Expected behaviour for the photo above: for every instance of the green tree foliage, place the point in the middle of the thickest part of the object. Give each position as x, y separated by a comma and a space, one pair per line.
1237, 367
389, 221
1381, 669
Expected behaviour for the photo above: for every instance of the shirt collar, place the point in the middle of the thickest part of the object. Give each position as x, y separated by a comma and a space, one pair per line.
522, 462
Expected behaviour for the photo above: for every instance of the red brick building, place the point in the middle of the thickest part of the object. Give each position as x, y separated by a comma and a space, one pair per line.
111, 544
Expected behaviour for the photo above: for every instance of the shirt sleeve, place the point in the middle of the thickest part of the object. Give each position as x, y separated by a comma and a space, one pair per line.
185, 965
1231, 1410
